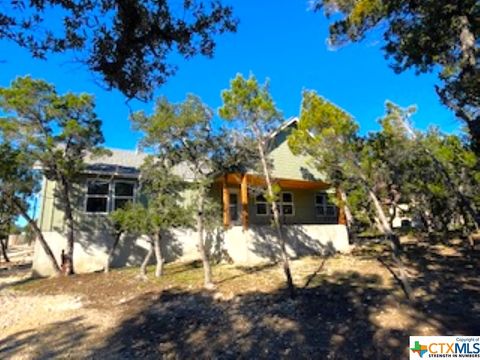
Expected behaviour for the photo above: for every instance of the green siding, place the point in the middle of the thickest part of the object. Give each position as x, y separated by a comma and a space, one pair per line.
304, 210
286, 165
51, 217
51, 211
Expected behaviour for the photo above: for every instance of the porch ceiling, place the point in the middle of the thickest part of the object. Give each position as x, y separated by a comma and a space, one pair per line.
255, 180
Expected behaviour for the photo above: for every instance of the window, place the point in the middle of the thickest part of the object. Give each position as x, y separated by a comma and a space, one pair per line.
323, 207
286, 206
97, 196
233, 207
103, 196
261, 205
123, 193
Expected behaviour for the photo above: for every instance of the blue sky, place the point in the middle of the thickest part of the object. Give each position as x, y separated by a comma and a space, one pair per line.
284, 42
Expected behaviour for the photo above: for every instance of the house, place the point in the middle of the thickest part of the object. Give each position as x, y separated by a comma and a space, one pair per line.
313, 225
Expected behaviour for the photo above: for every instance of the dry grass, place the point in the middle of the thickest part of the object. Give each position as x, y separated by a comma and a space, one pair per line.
345, 299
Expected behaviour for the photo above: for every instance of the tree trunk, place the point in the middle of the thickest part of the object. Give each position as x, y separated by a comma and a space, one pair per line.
40, 238
3, 244
467, 41
201, 241
276, 220
67, 265
394, 243
143, 267
348, 213
158, 255
384, 224
118, 235
348, 216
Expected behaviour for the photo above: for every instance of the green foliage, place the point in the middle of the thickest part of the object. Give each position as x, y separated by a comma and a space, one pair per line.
251, 106
248, 106
57, 131
328, 135
251, 103
18, 182
128, 42
436, 175
163, 209
184, 134
412, 39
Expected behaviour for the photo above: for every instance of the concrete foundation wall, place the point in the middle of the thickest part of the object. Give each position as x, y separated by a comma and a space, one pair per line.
256, 245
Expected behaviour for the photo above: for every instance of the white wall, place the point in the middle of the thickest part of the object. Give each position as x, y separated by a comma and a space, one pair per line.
258, 244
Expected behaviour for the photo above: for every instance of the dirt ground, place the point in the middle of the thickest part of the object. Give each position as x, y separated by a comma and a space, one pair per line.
347, 307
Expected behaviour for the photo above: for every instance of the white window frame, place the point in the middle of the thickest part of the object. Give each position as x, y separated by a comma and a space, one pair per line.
88, 196
292, 203
279, 204
267, 206
325, 205
114, 197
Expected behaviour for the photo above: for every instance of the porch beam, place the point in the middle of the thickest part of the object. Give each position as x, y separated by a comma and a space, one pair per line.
226, 202
342, 219
244, 200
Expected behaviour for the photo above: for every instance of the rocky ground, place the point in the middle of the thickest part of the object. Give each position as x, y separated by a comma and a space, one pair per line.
347, 307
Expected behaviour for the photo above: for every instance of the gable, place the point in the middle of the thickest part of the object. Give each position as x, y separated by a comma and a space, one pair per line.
285, 164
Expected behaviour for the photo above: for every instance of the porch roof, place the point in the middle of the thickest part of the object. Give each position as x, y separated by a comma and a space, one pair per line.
256, 180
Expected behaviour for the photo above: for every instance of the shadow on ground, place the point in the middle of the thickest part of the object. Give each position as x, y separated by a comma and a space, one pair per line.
56, 340
330, 319
336, 315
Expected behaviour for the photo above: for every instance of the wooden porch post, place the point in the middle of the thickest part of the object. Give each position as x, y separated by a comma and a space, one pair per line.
342, 219
244, 199
226, 202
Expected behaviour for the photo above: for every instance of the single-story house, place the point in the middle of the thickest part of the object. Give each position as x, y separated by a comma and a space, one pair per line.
313, 225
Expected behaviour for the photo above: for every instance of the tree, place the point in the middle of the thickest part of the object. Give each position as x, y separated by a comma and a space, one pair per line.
413, 40
330, 137
121, 220
58, 132
18, 183
252, 106
128, 43
8, 216
162, 211
441, 167
184, 135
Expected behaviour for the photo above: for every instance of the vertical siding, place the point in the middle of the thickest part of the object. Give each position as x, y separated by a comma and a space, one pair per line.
286, 165
51, 217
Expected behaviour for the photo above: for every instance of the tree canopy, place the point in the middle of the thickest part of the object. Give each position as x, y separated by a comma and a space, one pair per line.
56, 132
128, 43
184, 135
251, 106
424, 35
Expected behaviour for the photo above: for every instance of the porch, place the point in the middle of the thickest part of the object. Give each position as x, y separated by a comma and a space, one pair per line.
301, 202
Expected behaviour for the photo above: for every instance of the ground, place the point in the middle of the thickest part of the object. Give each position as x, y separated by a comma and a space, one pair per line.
347, 307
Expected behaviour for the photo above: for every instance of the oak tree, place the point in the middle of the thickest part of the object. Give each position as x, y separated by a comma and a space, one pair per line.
128, 43
200, 152
58, 132
425, 35
251, 106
